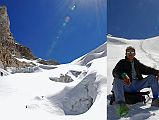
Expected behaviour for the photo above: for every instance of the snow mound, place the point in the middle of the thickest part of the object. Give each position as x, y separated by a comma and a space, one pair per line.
99, 52
79, 99
115, 40
47, 67
4, 72
148, 43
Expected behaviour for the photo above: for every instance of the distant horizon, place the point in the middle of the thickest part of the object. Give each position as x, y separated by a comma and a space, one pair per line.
61, 30
131, 38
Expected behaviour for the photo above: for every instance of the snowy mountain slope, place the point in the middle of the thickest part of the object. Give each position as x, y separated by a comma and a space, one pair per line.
146, 52
99, 52
34, 96
152, 42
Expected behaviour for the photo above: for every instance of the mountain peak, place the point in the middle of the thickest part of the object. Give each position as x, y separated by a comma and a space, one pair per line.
9, 49
5, 34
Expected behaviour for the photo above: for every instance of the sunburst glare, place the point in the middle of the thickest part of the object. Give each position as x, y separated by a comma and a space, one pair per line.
88, 5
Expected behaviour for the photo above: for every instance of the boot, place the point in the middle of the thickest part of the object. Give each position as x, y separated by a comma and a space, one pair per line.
122, 109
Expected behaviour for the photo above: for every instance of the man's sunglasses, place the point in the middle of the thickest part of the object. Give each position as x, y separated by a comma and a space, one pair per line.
130, 52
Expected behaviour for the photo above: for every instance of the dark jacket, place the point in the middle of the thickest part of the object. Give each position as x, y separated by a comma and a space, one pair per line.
124, 66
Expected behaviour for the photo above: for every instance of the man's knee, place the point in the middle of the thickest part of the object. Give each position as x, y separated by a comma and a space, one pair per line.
152, 77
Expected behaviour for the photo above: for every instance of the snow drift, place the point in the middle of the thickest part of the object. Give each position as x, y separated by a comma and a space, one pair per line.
40, 92
99, 52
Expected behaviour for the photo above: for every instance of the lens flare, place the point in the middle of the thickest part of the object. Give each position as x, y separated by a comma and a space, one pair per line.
73, 7
67, 19
65, 22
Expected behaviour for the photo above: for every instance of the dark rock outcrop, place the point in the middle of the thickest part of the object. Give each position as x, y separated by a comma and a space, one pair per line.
10, 49
48, 62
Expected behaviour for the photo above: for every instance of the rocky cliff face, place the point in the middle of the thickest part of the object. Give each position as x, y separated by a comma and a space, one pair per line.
9, 48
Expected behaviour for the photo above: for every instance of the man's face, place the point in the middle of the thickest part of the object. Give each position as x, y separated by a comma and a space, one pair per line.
130, 53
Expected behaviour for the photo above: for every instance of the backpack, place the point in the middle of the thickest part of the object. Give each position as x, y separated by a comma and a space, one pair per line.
132, 98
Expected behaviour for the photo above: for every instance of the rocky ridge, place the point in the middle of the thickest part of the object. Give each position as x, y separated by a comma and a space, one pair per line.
9, 48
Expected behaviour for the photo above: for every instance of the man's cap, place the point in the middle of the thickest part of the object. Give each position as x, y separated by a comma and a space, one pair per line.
130, 48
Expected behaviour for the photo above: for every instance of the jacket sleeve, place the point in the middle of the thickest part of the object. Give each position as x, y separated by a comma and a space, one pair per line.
147, 70
117, 71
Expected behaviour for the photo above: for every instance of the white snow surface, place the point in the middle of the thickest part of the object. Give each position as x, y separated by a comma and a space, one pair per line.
99, 52
147, 53
33, 96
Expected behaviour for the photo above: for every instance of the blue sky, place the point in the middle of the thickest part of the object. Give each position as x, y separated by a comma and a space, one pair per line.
58, 29
133, 19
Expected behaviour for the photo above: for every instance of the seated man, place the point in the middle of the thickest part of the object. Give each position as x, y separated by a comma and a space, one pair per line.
128, 78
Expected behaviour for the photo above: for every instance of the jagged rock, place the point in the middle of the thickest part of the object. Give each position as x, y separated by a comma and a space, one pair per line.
5, 33
9, 48
63, 78
25, 52
75, 73
1, 65
48, 62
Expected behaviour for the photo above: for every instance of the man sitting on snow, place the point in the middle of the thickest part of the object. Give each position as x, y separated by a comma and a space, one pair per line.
128, 78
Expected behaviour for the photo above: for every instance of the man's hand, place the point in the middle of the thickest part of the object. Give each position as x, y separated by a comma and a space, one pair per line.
126, 81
